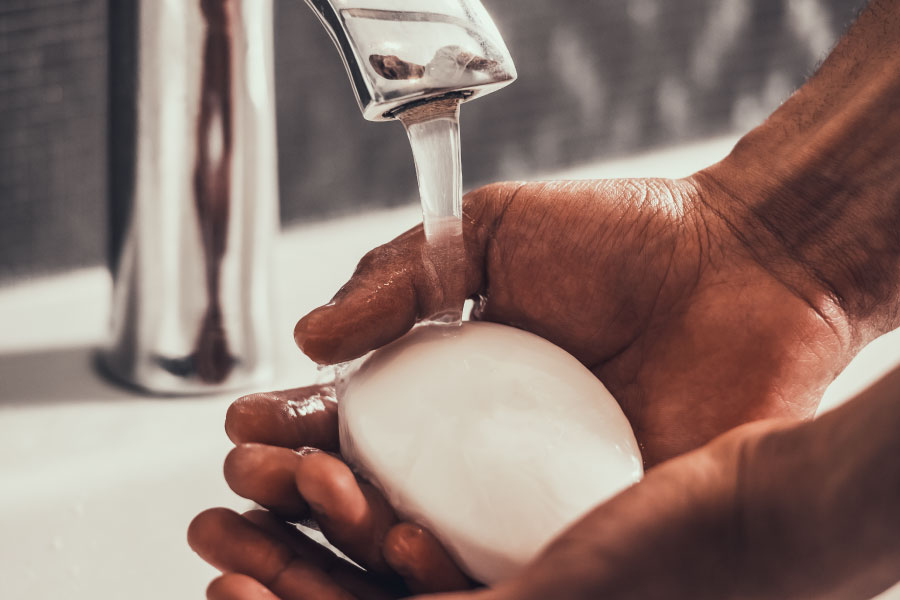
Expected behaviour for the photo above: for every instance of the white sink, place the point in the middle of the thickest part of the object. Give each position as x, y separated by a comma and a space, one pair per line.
98, 483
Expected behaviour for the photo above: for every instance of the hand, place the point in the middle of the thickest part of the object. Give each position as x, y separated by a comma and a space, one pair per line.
303, 484
642, 280
677, 534
719, 522
636, 278
770, 510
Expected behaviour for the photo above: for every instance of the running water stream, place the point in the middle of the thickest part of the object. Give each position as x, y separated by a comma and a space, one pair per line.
433, 130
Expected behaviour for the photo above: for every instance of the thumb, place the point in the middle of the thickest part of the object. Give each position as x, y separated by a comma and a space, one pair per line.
396, 284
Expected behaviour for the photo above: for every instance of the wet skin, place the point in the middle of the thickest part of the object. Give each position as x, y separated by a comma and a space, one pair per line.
634, 277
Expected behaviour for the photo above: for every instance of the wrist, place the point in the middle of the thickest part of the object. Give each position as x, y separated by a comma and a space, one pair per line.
826, 230
814, 193
795, 232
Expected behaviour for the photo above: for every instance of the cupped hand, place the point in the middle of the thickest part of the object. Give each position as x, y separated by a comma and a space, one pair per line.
286, 459
681, 533
644, 281
693, 328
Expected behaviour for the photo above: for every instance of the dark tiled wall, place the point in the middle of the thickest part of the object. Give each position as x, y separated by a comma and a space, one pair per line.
52, 134
596, 78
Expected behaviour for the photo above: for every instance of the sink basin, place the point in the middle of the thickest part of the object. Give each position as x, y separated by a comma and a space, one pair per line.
100, 482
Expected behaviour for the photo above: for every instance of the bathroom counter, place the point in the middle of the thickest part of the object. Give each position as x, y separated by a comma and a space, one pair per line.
99, 482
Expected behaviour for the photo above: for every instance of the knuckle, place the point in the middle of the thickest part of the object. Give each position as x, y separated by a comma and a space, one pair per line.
492, 194
485, 206
377, 258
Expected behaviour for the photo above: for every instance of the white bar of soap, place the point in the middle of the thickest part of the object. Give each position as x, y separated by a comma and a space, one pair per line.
491, 437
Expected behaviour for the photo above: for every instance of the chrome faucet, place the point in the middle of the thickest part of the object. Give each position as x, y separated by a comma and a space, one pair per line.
402, 51
194, 175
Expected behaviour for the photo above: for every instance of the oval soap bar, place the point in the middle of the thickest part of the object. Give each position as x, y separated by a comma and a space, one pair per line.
491, 437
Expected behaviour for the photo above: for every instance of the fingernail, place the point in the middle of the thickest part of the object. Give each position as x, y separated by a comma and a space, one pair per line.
401, 564
401, 551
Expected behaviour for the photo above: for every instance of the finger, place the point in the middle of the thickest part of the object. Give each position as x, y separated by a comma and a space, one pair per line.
353, 516
234, 586
422, 561
358, 582
265, 474
315, 554
392, 287
304, 416
231, 543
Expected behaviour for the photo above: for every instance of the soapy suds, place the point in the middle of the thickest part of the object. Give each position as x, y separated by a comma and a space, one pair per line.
433, 131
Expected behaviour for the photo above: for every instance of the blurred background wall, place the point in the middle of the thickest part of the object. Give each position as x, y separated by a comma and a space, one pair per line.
597, 79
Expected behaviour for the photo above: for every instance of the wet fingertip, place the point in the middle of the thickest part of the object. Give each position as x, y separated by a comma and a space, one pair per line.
320, 350
310, 337
206, 526
360, 322
265, 474
241, 464
236, 461
230, 430
239, 418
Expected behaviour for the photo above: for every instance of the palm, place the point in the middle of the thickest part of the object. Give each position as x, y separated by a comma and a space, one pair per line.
640, 282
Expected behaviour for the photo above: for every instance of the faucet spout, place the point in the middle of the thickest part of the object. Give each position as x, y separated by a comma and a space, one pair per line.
396, 56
